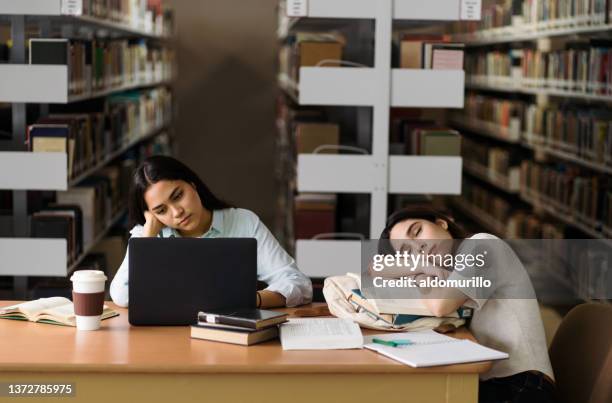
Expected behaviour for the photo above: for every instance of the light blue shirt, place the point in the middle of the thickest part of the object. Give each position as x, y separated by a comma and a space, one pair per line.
274, 265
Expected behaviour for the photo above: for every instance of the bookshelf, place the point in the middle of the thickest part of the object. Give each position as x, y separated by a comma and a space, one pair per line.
379, 87
552, 145
538, 87
70, 12
530, 32
45, 85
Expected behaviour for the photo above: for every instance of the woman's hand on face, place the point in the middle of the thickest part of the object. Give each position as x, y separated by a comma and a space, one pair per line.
152, 225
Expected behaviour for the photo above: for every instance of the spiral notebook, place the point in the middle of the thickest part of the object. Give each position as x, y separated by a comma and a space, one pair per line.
430, 349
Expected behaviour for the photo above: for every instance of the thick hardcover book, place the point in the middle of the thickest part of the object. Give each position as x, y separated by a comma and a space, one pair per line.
247, 318
243, 337
49, 51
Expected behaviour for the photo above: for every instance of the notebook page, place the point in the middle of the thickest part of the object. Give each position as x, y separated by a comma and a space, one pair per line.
428, 355
320, 334
419, 337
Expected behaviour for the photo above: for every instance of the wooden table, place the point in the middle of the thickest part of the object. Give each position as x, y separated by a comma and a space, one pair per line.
163, 364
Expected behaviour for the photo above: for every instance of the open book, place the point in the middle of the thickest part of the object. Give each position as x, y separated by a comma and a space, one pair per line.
54, 310
320, 334
427, 348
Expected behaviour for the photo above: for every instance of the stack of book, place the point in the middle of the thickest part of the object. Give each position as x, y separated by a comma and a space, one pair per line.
241, 326
397, 312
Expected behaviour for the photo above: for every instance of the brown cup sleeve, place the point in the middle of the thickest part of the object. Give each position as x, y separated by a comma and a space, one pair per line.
88, 304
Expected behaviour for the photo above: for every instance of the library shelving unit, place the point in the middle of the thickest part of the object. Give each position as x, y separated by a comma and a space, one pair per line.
539, 35
381, 88
20, 171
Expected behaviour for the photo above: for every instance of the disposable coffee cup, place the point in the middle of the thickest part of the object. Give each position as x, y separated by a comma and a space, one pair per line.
88, 298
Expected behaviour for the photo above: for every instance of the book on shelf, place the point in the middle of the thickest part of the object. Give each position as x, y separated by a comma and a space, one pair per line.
435, 142
60, 221
85, 198
54, 311
255, 319
309, 136
444, 56
56, 138
427, 51
314, 213
45, 225
310, 50
412, 49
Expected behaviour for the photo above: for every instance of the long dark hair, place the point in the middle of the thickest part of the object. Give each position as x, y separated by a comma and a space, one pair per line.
161, 167
418, 211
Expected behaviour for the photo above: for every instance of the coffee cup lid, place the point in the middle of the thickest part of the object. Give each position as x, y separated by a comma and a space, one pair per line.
88, 275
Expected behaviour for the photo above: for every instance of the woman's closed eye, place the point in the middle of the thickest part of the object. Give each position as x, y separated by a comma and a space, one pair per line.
177, 196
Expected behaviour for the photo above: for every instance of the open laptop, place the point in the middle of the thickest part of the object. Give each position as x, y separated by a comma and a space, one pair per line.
171, 279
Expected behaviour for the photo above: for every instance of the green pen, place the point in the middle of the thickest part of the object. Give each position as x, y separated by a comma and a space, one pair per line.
392, 343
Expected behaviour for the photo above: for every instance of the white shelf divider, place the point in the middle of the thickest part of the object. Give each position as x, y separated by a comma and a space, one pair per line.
31, 7
33, 257
426, 10
323, 258
425, 175
337, 86
422, 10
427, 88
335, 173
49, 84
21, 170
45, 83
341, 9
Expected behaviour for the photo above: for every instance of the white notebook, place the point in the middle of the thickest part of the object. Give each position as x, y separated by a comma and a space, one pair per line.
320, 334
432, 349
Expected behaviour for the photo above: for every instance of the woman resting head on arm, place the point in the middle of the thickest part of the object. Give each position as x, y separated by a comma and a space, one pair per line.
421, 229
167, 199
502, 320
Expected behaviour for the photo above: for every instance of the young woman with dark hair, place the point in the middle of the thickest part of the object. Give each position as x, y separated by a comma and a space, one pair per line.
501, 319
167, 199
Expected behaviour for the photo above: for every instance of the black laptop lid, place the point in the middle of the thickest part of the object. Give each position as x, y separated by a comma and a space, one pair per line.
171, 279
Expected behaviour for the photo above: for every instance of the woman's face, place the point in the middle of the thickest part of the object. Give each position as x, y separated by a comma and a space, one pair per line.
420, 235
176, 204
